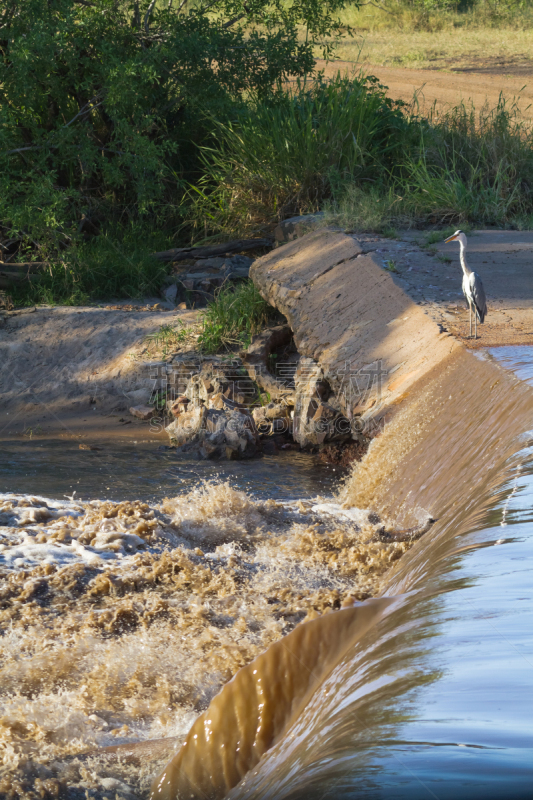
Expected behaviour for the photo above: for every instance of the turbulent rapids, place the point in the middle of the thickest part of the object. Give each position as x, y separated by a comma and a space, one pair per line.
122, 622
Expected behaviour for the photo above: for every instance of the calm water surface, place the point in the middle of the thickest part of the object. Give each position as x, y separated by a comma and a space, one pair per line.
143, 472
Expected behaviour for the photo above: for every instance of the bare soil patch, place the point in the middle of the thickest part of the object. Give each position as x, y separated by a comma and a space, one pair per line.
480, 83
75, 371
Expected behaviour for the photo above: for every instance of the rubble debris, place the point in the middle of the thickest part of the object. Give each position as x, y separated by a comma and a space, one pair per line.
142, 412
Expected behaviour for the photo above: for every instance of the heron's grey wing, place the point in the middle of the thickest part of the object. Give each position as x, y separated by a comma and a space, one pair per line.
478, 295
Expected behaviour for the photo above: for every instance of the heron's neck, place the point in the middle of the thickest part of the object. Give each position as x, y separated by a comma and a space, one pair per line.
466, 268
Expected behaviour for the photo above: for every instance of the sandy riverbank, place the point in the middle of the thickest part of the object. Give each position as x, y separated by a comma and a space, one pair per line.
74, 372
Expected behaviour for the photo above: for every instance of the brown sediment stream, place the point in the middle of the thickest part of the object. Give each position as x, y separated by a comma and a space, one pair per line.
122, 621
446, 454
191, 590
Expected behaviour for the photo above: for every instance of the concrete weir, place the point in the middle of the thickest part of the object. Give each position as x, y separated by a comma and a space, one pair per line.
350, 315
384, 313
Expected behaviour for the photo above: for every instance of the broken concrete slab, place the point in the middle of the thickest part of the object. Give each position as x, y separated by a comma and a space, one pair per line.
369, 337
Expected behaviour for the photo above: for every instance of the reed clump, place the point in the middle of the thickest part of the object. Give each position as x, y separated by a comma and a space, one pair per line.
344, 147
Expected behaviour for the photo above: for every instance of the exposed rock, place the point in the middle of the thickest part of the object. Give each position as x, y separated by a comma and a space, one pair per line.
200, 378
316, 422
217, 401
256, 359
241, 435
138, 397
273, 418
295, 227
215, 434
186, 429
171, 293
202, 277
179, 406
142, 412
240, 267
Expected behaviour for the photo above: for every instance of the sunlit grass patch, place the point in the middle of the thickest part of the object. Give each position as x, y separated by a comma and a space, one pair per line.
235, 315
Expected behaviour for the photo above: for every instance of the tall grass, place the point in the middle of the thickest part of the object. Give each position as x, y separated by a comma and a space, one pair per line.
289, 155
343, 147
437, 15
471, 166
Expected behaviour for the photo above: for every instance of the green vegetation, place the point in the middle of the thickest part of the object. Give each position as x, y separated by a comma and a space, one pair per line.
343, 146
103, 104
437, 15
289, 154
169, 338
458, 167
117, 263
236, 314
229, 321
129, 126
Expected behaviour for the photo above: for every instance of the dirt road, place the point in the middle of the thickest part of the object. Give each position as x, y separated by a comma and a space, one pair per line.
447, 88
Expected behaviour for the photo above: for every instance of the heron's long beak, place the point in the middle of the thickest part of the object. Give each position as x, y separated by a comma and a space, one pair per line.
450, 239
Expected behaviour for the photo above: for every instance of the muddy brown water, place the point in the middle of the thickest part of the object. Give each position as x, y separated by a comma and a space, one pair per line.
113, 471
432, 699
435, 700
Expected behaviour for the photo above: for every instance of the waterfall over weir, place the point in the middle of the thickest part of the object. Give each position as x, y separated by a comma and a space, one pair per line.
430, 697
220, 643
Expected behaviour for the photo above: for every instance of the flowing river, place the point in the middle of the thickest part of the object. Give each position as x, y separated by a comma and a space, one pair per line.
121, 621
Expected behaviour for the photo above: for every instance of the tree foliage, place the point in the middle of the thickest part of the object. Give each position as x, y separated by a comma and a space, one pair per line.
102, 102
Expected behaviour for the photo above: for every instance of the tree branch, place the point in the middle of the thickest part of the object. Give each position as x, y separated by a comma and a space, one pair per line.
22, 149
231, 22
376, 5
208, 6
85, 110
147, 17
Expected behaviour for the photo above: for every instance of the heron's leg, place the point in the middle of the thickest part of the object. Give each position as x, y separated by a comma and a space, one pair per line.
470, 310
475, 323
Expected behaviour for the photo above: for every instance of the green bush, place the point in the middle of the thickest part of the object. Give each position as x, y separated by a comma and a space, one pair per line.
102, 102
116, 264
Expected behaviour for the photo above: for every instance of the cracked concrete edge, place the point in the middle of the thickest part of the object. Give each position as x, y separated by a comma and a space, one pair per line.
348, 313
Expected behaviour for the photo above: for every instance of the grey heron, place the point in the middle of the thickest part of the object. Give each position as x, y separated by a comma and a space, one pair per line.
472, 287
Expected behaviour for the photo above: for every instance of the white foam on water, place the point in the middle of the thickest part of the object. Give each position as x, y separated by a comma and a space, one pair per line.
122, 620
